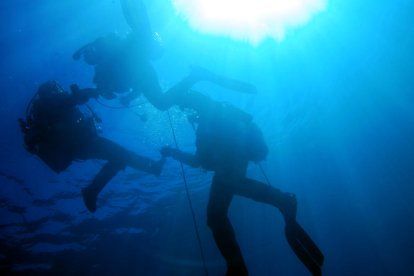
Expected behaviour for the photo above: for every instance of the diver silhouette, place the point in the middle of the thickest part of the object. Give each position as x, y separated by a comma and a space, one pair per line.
227, 139
123, 64
58, 132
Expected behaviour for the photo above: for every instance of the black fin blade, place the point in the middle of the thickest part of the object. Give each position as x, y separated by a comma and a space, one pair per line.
304, 247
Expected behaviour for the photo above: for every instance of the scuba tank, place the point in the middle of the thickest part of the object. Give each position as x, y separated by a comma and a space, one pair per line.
227, 133
55, 128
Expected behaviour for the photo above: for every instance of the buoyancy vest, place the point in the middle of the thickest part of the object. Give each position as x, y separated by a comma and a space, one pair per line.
226, 134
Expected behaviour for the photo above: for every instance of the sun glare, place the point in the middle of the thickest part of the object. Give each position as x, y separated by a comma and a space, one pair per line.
251, 20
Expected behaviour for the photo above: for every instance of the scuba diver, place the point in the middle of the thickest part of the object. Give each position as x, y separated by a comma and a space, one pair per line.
58, 132
123, 64
227, 139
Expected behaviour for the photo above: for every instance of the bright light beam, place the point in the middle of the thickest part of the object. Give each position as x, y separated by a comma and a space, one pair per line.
251, 20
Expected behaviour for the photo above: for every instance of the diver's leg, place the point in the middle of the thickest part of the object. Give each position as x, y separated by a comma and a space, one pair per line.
90, 193
108, 150
145, 164
300, 242
258, 191
152, 90
137, 18
118, 158
180, 95
219, 223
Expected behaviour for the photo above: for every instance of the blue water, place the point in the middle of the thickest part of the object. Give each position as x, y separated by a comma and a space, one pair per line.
335, 104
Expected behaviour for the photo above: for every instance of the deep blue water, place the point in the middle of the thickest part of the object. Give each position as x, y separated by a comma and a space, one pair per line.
335, 104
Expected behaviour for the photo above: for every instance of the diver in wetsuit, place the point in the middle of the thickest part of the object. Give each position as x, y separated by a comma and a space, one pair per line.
58, 132
123, 64
227, 139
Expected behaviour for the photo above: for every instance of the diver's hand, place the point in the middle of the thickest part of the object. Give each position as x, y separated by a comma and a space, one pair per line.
83, 95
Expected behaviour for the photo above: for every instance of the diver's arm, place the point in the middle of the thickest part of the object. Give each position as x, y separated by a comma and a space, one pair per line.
81, 96
184, 157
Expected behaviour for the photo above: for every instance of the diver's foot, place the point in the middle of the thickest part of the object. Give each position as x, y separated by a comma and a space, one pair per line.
289, 206
239, 270
89, 199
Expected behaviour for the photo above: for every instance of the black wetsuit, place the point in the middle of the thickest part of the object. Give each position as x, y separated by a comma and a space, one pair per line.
59, 133
226, 140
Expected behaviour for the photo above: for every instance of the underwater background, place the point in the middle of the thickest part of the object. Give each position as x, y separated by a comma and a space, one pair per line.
336, 106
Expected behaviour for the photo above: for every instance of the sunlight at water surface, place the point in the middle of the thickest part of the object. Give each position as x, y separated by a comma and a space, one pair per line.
252, 20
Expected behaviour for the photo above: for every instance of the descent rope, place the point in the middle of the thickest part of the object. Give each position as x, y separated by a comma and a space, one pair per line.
189, 199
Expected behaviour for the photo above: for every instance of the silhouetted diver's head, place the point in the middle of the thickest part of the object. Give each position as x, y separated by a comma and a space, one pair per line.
50, 87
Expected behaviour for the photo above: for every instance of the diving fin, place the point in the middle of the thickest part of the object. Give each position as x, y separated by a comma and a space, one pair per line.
304, 247
200, 73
